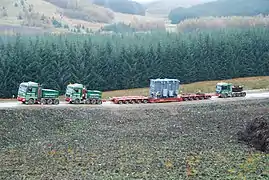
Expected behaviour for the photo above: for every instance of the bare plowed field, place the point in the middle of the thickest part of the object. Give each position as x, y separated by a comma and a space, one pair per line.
194, 141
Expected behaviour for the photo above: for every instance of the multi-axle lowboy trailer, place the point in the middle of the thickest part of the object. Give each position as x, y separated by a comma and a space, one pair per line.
161, 91
144, 99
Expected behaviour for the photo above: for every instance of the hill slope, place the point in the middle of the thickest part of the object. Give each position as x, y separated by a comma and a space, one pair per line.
163, 8
221, 8
122, 6
65, 15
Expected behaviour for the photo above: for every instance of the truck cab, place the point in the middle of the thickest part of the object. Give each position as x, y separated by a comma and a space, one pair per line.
27, 90
77, 94
224, 90
73, 92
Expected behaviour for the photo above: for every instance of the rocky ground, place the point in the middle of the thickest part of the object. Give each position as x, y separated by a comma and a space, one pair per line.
166, 141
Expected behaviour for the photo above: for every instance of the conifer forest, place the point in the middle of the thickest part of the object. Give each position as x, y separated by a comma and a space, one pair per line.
110, 62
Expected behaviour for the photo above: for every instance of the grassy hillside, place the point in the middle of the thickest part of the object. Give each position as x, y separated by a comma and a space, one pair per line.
122, 6
221, 8
59, 15
162, 8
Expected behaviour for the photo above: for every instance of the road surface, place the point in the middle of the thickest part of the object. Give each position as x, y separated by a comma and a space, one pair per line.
250, 95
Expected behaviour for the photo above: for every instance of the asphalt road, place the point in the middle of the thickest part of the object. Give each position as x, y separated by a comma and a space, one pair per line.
250, 95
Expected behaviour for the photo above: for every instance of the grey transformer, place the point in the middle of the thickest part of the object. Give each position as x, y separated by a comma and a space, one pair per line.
164, 88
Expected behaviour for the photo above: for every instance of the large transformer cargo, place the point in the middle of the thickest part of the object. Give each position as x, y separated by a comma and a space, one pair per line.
33, 93
164, 88
78, 94
161, 90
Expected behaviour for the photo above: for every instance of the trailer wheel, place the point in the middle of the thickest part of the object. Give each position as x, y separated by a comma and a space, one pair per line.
145, 101
126, 102
30, 101
132, 102
138, 101
56, 101
49, 101
87, 101
201, 98
120, 102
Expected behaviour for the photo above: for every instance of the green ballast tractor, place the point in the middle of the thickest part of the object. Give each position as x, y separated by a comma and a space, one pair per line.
33, 93
225, 90
78, 94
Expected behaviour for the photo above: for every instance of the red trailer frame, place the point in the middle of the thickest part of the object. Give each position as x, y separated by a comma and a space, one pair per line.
144, 99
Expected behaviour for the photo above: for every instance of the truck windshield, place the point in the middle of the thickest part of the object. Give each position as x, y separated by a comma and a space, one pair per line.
218, 88
22, 89
69, 90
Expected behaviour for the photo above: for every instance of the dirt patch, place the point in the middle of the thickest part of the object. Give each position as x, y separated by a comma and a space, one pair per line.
256, 133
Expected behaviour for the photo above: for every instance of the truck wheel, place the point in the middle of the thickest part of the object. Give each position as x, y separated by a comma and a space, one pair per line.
30, 101
56, 101
120, 102
139, 101
87, 101
43, 101
93, 101
126, 102
244, 94
76, 101
99, 101
49, 101
145, 101
133, 102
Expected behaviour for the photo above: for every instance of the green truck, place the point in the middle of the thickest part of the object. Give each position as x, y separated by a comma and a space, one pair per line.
225, 90
78, 94
33, 93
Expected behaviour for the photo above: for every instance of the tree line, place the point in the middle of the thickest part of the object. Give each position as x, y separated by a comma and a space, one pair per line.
111, 62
